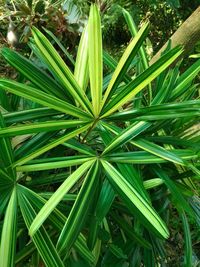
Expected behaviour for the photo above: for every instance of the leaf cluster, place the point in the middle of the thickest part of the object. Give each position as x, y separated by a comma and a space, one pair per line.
91, 165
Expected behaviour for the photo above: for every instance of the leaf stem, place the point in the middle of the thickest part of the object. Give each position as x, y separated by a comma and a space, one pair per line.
90, 129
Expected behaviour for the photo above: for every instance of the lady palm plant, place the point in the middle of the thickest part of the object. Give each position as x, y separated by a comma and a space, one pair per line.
91, 166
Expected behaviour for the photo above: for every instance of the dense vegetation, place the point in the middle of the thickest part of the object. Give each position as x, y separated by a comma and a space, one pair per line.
99, 164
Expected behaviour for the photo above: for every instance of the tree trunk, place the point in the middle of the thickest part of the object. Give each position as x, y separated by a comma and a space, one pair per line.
187, 35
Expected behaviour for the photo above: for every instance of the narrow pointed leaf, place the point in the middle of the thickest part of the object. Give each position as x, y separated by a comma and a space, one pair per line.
5, 192
33, 73
6, 154
154, 149
185, 79
41, 239
24, 253
165, 84
129, 133
57, 219
4, 176
51, 145
148, 184
134, 178
159, 151
104, 202
9, 232
78, 214
146, 157
156, 112
127, 170
141, 81
112, 64
57, 197
134, 31
39, 127
142, 53
32, 144
188, 242
63, 163
42, 98
130, 232
131, 195
82, 148
125, 62
29, 114
63, 73
61, 46
81, 72
95, 58
177, 195
4, 103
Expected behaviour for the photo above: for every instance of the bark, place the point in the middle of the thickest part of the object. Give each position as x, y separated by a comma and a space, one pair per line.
187, 35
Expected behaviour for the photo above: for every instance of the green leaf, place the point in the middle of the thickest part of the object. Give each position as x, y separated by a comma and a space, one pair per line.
155, 150
134, 31
112, 64
57, 220
157, 112
33, 73
188, 242
140, 82
4, 102
51, 145
6, 154
177, 195
168, 115
172, 140
129, 194
6, 188
117, 251
134, 178
104, 202
95, 58
9, 233
4, 176
185, 79
42, 98
63, 163
81, 71
79, 211
125, 62
129, 171
32, 144
67, 197
41, 239
82, 148
126, 135
144, 157
57, 197
24, 253
130, 231
40, 127
48, 179
60, 45
165, 84
58, 66
142, 53
159, 151
29, 114
148, 184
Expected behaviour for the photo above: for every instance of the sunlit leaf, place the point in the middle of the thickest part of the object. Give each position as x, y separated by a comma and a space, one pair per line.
57, 197
9, 233
95, 58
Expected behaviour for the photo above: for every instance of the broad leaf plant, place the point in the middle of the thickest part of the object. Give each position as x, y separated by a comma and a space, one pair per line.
92, 164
